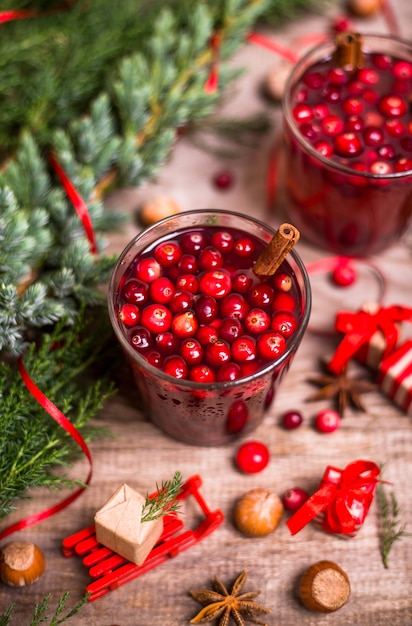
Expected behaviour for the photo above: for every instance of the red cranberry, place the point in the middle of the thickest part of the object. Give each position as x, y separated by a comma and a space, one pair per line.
230, 329
302, 113
402, 70
283, 302
206, 334
370, 96
368, 76
188, 264
373, 136
244, 349
191, 351
403, 165
252, 457
314, 80
324, 148
381, 168
344, 275
294, 498
206, 309
261, 295
210, 258
332, 126
354, 124
282, 281
241, 282
156, 318
223, 180
216, 283
244, 247
237, 417
394, 128
284, 323
309, 131
166, 343
193, 242
352, 106
271, 345
175, 366
153, 357
141, 339
228, 372
185, 324
392, 106
332, 94
217, 353
168, 253
381, 61
348, 144
320, 111
222, 241
162, 290
129, 314
181, 301
135, 291
148, 269
187, 282
257, 321
336, 76
386, 152
202, 374
292, 420
327, 421
355, 88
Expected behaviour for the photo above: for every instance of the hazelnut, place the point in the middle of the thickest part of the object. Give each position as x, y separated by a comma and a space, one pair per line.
21, 563
324, 587
276, 81
363, 8
258, 512
157, 209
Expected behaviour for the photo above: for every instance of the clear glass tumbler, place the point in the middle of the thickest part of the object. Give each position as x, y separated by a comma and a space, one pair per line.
206, 414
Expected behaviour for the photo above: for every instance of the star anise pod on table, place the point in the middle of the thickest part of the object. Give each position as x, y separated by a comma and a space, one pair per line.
219, 603
345, 390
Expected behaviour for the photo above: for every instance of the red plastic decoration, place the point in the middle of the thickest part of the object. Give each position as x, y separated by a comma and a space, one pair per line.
111, 571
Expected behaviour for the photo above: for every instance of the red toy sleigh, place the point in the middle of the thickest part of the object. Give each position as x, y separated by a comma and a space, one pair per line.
111, 571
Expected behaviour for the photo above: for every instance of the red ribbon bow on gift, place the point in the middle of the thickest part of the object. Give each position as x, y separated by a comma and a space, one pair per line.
357, 482
359, 327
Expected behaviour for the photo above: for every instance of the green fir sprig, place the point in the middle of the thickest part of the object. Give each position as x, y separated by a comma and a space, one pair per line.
32, 444
391, 527
165, 499
40, 615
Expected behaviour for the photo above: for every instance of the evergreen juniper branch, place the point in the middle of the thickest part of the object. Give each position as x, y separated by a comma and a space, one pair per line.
165, 499
391, 528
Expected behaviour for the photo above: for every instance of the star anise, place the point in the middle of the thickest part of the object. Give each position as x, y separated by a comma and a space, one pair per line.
219, 603
345, 390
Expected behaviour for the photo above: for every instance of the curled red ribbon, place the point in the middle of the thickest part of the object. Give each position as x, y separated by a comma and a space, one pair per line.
62, 420
360, 326
341, 492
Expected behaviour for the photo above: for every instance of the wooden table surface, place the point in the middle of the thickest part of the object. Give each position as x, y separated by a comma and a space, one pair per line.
140, 455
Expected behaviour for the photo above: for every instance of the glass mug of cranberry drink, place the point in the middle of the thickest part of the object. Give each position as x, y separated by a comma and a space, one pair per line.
348, 135
208, 341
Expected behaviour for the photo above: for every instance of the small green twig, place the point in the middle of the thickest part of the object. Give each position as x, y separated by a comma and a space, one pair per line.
391, 527
164, 501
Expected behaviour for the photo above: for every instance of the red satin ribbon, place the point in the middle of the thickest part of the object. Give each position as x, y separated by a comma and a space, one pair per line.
77, 201
357, 482
359, 327
62, 420
273, 46
9, 16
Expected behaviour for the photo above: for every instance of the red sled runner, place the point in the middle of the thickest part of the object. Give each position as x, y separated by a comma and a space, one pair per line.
111, 571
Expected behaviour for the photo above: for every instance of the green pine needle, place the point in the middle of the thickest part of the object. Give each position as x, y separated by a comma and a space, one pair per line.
391, 528
165, 500
40, 615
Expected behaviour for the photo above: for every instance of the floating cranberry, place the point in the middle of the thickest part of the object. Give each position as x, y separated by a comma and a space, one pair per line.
187, 282
314, 80
327, 421
184, 324
129, 314
348, 145
403, 165
380, 168
222, 241
285, 323
256, 321
175, 366
368, 76
148, 269
309, 131
261, 295
381, 61
223, 180
135, 291
229, 371
352, 106
230, 329
320, 111
206, 334
302, 113
244, 349
386, 152
337, 76
373, 136
282, 281
168, 253
216, 283
162, 290
241, 282
392, 106
188, 264
202, 374
324, 148
292, 420
237, 416
332, 94
402, 70
252, 457
193, 242
191, 351
218, 353
294, 498
234, 305
354, 124
210, 258
206, 309
181, 301
244, 247
370, 96
394, 128
271, 345
166, 343
283, 302
153, 357
141, 339
332, 126
156, 318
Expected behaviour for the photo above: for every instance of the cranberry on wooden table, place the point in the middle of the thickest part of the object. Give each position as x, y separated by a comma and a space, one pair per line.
252, 457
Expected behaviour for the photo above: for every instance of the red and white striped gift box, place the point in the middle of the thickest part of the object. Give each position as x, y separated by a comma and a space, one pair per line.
395, 376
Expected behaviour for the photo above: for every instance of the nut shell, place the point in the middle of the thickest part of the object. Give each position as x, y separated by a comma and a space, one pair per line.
324, 587
21, 563
157, 209
258, 513
363, 8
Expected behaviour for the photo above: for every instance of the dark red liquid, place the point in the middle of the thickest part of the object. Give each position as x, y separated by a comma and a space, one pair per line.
361, 121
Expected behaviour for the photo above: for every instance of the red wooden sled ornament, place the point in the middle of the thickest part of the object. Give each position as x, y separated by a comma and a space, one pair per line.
111, 571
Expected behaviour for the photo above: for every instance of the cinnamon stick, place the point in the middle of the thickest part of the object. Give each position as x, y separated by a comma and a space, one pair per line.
348, 54
277, 249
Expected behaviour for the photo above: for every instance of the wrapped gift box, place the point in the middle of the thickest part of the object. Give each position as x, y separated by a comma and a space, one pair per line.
119, 526
395, 376
342, 501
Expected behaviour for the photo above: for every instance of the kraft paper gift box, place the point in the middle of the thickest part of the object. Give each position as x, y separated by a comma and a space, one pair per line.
119, 526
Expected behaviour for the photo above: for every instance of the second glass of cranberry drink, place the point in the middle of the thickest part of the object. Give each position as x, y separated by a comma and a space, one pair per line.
348, 132
207, 339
